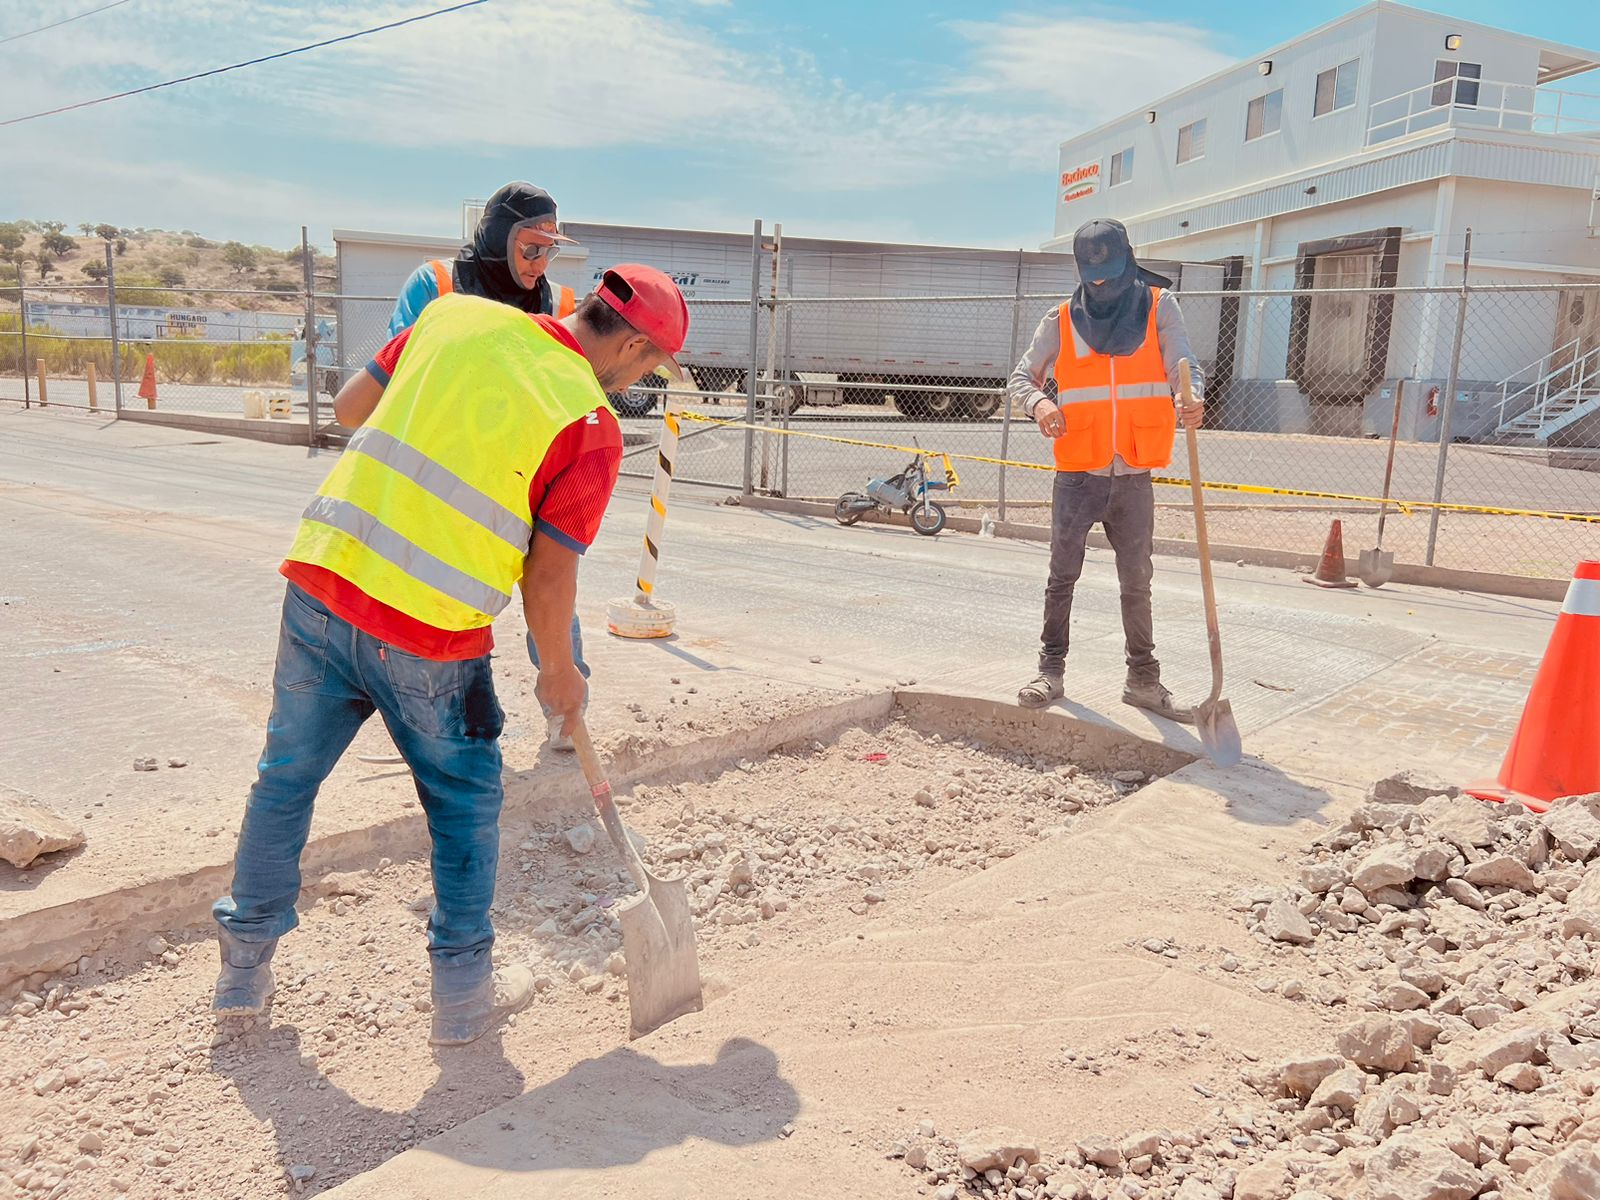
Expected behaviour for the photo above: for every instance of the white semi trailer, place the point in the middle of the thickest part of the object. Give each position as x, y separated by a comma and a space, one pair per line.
931, 329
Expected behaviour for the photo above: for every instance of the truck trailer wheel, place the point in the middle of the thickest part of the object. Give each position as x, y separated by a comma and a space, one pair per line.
640, 399
980, 408
942, 406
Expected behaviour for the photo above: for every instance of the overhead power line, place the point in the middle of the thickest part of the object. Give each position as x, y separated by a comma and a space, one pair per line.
438, 12
64, 21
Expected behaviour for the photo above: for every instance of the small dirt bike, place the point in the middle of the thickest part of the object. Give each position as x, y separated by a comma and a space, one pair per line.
906, 492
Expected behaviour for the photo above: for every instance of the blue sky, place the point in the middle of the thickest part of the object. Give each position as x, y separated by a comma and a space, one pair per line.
891, 120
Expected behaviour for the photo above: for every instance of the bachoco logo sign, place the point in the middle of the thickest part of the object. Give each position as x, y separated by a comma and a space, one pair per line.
1080, 182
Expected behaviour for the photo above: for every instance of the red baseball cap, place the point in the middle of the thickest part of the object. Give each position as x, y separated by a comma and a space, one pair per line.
649, 301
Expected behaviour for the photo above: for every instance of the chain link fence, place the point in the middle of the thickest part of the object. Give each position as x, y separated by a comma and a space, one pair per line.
1303, 390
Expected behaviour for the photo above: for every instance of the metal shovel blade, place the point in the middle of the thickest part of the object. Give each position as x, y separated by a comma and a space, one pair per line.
663, 965
657, 926
1375, 568
1219, 732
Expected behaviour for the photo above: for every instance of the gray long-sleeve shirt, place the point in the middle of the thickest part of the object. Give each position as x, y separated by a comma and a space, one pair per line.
1037, 369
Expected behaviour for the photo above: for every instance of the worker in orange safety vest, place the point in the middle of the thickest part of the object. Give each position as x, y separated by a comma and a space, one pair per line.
1099, 379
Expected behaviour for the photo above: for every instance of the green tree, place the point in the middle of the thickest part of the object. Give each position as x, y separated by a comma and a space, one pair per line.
171, 276
46, 265
56, 243
122, 246
95, 270
239, 256
86, 228
11, 239
109, 233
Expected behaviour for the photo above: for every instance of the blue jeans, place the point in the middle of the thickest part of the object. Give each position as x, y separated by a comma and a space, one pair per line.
444, 719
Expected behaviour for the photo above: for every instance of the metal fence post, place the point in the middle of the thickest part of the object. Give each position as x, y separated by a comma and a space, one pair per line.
22, 327
310, 283
116, 336
790, 382
1448, 408
1005, 395
755, 334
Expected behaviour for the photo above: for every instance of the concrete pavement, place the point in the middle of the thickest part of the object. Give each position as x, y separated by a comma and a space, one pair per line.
140, 605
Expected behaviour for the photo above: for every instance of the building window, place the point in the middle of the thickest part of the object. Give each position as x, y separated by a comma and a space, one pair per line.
1192, 141
1336, 88
1122, 167
1264, 116
1456, 83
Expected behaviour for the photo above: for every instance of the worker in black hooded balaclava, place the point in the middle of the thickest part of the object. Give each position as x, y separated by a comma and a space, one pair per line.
1099, 379
516, 238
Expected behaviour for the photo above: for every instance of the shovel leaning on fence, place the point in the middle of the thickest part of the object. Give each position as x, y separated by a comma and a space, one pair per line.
1213, 716
1377, 565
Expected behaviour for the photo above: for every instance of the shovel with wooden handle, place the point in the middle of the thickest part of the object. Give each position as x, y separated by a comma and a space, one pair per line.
1376, 567
657, 925
1213, 716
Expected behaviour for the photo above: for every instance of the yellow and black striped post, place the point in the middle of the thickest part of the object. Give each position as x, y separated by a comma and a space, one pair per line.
644, 616
666, 456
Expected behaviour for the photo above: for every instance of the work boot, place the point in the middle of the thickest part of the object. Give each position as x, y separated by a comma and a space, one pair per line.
245, 984
1150, 695
1042, 689
462, 1017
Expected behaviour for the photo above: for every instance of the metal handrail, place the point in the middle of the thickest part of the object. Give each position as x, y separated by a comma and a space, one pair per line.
1505, 108
1540, 375
1579, 369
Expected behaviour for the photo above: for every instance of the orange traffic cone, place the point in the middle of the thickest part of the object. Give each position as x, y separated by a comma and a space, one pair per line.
147, 386
1330, 571
1556, 749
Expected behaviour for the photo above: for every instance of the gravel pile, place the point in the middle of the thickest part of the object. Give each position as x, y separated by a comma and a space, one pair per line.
1453, 944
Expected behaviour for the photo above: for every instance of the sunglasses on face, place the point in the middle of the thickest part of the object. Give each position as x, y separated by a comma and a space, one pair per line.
535, 253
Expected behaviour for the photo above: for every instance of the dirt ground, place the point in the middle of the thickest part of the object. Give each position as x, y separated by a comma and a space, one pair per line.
116, 1081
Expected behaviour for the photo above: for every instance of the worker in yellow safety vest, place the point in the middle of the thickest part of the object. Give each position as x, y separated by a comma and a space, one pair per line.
506, 261
483, 458
1099, 379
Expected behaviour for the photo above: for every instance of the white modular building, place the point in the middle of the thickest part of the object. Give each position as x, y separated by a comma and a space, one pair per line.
1357, 157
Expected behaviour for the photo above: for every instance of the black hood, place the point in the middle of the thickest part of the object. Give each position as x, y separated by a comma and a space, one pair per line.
1113, 314
483, 268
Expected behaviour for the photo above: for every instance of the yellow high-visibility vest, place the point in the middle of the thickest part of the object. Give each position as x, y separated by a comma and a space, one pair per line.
428, 510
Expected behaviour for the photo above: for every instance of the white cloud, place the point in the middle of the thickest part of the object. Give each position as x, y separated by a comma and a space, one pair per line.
1086, 67
541, 75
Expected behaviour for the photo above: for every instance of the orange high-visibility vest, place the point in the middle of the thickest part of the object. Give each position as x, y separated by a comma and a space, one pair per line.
1113, 405
566, 300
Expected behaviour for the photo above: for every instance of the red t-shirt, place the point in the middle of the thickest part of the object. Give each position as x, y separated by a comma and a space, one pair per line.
567, 495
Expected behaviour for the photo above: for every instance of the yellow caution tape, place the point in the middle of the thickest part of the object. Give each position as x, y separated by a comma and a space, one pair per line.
1404, 506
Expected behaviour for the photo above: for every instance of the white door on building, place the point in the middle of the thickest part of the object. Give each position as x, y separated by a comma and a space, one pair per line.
1577, 337
1340, 323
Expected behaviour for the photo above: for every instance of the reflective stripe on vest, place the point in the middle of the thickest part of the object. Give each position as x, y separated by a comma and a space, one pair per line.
429, 511
411, 558
1113, 406
447, 486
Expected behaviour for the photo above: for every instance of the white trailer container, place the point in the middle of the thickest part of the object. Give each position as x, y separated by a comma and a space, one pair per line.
936, 329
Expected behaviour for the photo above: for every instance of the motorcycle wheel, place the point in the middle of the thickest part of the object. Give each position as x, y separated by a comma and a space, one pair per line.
848, 508
930, 522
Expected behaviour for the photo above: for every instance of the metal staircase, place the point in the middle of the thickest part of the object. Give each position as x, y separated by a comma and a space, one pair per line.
1559, 397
